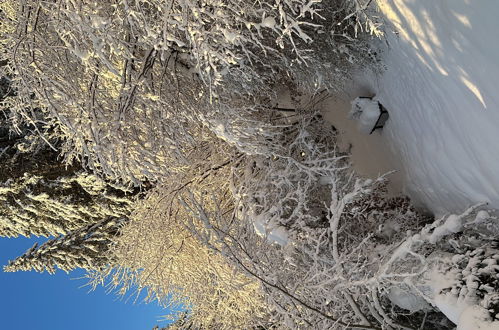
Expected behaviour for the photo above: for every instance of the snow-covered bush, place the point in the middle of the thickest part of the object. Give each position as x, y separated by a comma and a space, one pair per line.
467, 284
464, 277
336, 231
288, 188
130, 85
450, 265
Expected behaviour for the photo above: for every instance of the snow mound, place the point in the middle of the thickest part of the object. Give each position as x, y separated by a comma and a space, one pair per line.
441, 88
407, 300
367, 112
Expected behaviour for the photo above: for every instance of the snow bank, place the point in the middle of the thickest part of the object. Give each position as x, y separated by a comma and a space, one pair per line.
366, 111
441, 88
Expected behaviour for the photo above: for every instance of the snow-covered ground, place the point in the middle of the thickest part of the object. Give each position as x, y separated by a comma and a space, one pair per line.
370, 154
441, 87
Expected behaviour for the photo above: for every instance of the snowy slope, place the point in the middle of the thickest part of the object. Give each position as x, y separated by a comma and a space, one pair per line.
441, 87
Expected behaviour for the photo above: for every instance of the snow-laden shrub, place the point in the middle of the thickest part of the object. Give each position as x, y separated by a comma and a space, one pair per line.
452, 265
325, 272
467, 280
130, 85
288, 189
464, 277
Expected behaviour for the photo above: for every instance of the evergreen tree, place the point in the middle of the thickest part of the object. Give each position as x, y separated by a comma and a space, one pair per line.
39, 195
83, 248
42, 196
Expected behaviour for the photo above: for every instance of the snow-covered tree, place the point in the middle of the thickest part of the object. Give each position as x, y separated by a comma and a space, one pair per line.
132, 85
322, 236
176, 268
86, 248
39, 195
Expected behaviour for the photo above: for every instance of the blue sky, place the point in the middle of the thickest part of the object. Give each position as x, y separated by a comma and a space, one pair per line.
30, 300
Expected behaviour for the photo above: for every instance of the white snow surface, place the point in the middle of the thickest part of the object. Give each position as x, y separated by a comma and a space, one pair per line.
475, 318
440, 87
467, 315
407, 300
